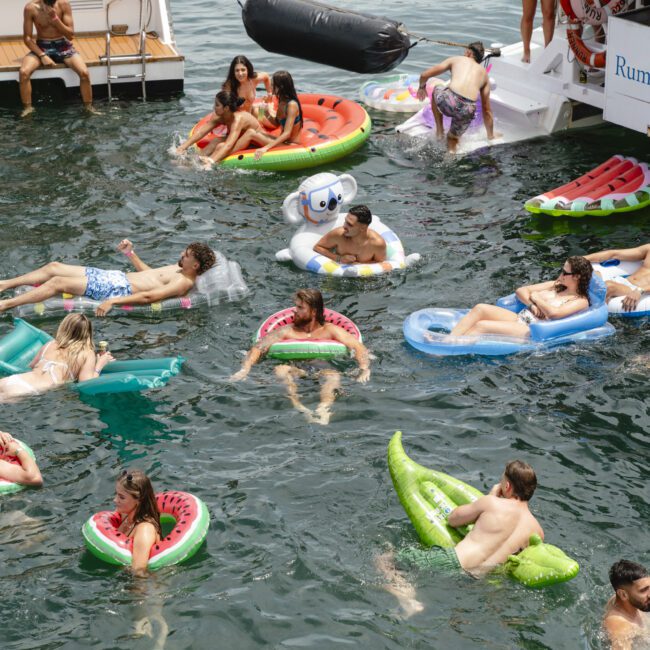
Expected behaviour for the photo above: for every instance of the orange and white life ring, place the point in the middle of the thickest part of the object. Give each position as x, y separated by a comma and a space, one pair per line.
593, 12
584, 54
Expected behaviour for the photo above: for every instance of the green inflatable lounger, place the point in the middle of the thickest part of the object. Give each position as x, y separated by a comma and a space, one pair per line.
20, 346
428, 496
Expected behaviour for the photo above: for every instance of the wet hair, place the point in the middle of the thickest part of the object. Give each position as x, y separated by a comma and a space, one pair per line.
138, 485
583, 268
477, 50
75, 336
313, 298
284, 89
362, 213
624, 572
204, 255
49, 3
232, 83
522, 478
229, 99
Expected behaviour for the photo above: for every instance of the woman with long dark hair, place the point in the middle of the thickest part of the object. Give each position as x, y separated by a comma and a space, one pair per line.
559, 298
243, 80
135, 502
288, 117
226, 105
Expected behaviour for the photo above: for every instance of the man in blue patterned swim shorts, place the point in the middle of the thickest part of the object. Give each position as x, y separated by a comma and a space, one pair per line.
54, 32
458, 100
140, 287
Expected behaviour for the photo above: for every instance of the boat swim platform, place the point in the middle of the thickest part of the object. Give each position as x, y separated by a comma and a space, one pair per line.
164, 68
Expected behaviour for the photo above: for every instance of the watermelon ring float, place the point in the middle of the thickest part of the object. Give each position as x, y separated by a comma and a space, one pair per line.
620, 184
8, 487
190, 519
333, 127
306, 348
428, 496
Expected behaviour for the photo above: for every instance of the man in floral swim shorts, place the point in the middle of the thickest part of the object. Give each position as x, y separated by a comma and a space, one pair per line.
458, 100
143, 286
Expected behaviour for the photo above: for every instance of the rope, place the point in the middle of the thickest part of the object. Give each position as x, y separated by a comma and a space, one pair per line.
420, 38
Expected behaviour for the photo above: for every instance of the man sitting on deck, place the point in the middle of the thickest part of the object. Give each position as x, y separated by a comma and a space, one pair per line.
353, 242
632, 286
54, 31
503, 525
309, 323
142, 287
458, 101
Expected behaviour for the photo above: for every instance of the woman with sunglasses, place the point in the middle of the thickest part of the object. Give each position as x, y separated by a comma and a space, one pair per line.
545, 301
135, 502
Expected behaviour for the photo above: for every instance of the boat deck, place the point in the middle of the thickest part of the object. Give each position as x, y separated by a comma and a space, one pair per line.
91, 46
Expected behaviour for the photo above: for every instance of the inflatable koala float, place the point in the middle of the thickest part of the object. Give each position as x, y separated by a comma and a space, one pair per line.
317, 205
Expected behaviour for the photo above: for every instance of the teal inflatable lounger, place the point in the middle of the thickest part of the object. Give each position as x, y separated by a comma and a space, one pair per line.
20, 346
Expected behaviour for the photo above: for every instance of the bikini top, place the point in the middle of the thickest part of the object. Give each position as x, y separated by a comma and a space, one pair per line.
50, 367
283, 120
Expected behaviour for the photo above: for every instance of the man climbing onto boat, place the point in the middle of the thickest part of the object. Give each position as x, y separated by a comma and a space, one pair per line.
143, 286
353, 242
627, 618
469, 79
54, 32
309, 323
632, 286
503, 525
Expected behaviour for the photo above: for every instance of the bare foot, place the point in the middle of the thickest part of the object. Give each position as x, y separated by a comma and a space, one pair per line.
28, 110
525, 58
324, 414
89, 108
398, 586
206, 162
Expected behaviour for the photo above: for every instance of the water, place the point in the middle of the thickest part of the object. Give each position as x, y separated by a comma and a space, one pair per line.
298, 510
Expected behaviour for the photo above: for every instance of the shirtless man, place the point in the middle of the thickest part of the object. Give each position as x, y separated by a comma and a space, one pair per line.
458, 101
353, 242
54, 31
626, 618
308, 323
25, 472
633, 286
503, 525
142, 287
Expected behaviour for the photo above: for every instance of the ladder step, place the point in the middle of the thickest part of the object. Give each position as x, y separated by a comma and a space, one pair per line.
126, 76
124, 57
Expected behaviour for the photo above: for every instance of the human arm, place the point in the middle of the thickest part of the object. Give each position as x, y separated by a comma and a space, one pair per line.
126, 247
28, 37
486, 109
635, 254
144, 537
328, 243
93, 365
27, 473
524, 293
292, 114
620, 632
65, 24
226, 147
552, 312
265, 78
360, 351
470, 512
257, 352
198, 135
179, 286
431, 72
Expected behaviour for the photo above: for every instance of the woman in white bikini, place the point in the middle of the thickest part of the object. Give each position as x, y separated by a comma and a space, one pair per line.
559, 298
135, 502
70, 357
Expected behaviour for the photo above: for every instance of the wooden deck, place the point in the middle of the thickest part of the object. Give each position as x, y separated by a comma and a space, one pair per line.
91, 47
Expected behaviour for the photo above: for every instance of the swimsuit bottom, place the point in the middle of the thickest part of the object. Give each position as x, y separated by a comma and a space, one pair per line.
442, 560
58, 49
102, 285
18, 386
460, 109
620, 279
527, 317
313, 366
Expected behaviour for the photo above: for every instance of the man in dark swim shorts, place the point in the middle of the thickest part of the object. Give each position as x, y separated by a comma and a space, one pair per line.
458, 100
54, 32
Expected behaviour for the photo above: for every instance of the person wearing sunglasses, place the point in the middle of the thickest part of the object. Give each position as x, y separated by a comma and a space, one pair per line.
545, 301
135, 502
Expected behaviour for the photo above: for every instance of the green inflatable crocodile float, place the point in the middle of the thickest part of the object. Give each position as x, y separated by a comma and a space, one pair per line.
428, 496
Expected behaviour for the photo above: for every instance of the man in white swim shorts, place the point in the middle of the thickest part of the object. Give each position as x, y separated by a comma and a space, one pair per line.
143, 286
633, 286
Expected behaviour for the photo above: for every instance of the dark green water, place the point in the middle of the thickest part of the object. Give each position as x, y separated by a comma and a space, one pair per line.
298, 511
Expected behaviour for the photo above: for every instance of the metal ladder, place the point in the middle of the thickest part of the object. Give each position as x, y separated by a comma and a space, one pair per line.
141, 55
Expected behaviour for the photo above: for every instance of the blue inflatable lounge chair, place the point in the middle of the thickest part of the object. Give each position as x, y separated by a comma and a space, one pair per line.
19, 347
428, 330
